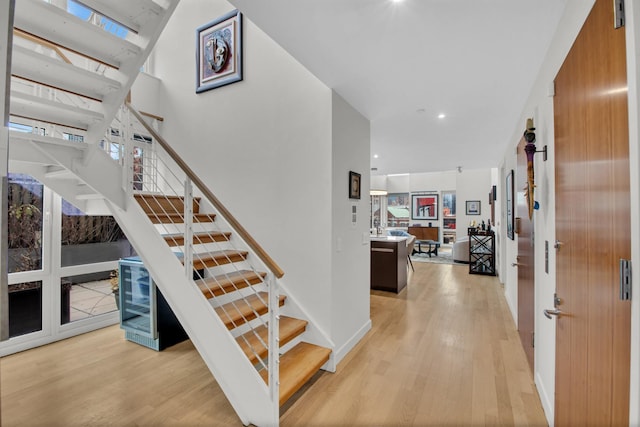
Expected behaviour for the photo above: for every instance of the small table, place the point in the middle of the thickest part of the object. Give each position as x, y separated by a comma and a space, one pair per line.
433, 247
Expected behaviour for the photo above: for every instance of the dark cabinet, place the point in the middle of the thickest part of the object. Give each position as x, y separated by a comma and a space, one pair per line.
425, 233
389, 264
482, 252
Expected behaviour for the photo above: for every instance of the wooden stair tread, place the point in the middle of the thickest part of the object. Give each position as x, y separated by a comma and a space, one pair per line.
164, 204
289, 328
225, 283
198, 238
216, 258
177, 218
297, 366
245, 309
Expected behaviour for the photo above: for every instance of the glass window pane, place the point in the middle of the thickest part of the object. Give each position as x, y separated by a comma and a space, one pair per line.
25, 308
398, 210
24, 223
87, 295
87, 239
449, 217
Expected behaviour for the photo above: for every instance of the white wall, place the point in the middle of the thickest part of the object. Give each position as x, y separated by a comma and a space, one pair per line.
145, 94
265, 147
350, 285
472, 184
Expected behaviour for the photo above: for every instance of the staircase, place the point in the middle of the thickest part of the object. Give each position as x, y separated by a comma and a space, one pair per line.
70, 77
298, 364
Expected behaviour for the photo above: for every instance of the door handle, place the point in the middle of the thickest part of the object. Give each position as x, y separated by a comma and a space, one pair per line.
555, 312
558, 244
516, 264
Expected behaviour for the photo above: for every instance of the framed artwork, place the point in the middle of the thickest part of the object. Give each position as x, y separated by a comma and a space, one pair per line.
219, 52
424, 206
510, 206
473, 207
354, 185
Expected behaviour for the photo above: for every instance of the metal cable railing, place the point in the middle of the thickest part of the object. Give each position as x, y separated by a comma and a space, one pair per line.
221, 264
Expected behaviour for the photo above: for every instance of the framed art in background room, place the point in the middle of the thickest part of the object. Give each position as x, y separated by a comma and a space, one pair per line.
473, 207
219, 52
424, 206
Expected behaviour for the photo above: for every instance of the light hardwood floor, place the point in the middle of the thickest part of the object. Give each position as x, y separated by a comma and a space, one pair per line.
443, 352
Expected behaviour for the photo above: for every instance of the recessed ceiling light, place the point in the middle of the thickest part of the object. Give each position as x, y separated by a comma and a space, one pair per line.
375, 156
442, 116
396, 1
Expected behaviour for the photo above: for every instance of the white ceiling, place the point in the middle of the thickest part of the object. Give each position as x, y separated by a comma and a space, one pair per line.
401, 64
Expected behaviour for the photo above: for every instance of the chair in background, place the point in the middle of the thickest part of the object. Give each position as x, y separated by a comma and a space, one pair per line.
460, 252
411, 241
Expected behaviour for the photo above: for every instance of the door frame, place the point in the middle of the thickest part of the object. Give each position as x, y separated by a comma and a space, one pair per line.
632, 32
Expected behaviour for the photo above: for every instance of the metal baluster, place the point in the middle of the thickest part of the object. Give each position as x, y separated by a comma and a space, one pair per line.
188, 228
274, 344
126, 138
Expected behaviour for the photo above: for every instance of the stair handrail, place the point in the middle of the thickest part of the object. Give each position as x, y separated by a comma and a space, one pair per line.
222, 210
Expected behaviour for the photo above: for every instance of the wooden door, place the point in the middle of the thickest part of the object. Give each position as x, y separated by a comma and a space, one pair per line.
525, 260
592, 226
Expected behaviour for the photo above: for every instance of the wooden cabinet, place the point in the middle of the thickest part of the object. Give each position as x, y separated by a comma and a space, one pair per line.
389, 264
482, 253
425, 233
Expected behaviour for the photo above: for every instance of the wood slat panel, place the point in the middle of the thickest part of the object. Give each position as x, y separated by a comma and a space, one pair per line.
253, 347
226, 283
217, 258
297, 366
241, 311
161, 203
178, 219
198, 238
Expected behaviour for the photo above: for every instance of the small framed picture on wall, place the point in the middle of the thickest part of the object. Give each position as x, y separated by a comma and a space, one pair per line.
354, 185
473, 207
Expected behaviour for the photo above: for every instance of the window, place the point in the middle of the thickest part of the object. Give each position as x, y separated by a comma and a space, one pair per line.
25, 308
86, 14
71, 137
449, 216
398, 210
86, 295
89, 239
24, 219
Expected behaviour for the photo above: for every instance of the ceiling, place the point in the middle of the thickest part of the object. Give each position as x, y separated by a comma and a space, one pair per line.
402, 64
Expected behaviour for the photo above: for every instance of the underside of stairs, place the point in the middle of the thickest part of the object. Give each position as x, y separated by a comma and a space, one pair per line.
69, 77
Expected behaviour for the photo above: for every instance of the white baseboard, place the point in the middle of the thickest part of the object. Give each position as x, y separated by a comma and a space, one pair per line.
547, 403
341, 352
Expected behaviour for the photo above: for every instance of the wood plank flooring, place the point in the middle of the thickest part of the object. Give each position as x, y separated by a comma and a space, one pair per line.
443, 352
